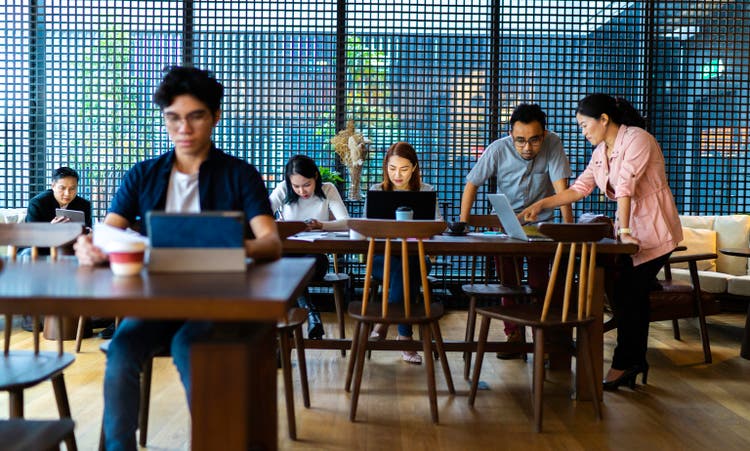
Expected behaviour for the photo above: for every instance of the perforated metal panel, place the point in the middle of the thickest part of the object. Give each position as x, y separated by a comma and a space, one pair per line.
77, 78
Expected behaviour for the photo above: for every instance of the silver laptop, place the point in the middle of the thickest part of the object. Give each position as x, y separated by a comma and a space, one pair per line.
212, 241
510, 222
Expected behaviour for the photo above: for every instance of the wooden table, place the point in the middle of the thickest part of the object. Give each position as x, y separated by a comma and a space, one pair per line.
479, 244
233, 376
745, 347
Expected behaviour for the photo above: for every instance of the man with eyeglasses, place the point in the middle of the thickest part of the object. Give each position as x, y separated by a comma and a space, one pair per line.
194, 176
529, 165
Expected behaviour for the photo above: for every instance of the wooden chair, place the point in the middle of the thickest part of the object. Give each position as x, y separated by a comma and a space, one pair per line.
578, 239
366, 313
24, 369
486, 290
42, 435
675, 299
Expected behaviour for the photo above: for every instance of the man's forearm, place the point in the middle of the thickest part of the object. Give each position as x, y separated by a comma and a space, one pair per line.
266, 248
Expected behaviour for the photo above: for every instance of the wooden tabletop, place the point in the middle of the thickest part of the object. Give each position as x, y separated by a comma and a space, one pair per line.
64, 287
474, 244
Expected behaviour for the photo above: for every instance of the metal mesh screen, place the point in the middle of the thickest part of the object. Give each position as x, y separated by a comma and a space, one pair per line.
77, 78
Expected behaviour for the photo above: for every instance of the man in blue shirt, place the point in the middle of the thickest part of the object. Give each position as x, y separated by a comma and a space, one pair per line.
194, 176
529, 165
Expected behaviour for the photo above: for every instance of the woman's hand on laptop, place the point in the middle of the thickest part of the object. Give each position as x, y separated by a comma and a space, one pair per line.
87, 253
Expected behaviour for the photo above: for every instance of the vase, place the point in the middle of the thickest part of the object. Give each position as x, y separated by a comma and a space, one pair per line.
355, 175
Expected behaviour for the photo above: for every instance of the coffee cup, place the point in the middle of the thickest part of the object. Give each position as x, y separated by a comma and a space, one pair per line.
126, 257
404, 214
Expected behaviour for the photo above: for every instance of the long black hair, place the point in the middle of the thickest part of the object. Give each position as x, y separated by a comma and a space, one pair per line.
404, 150
306, 167
619, 110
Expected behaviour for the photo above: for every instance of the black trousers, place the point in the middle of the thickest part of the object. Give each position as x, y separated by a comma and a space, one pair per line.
631, 308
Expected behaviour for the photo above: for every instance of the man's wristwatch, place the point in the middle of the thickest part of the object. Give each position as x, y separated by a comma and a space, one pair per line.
624, 231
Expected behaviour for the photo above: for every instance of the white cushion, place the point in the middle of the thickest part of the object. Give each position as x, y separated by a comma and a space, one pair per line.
698, 222
739, 286
732, 231
12, 214
698, 241
712, 282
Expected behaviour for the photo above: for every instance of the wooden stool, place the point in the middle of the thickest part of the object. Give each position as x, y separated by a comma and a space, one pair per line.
485, 290
293, 324
337, 281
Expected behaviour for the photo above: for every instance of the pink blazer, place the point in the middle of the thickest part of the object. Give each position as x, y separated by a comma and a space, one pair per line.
636, 169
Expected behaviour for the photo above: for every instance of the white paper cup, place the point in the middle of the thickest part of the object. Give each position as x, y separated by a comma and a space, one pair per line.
354, 235
126, 258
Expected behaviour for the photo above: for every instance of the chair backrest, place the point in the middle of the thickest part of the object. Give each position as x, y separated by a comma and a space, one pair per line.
571, 235
38, 234
401, 230
485, 223
35, 235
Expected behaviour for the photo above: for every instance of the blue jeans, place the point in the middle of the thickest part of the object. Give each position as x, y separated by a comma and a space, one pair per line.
134, 342
396, 284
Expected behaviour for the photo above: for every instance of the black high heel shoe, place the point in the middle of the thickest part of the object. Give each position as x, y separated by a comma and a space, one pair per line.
315, 329
628, 377
314, 326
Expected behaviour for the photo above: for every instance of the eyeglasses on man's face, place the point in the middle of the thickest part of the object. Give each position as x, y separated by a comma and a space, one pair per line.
194, 119
534, 141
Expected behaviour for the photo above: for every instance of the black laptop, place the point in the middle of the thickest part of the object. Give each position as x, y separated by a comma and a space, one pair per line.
383, 204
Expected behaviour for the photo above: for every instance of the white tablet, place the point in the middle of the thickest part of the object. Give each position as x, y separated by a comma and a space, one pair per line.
73, 215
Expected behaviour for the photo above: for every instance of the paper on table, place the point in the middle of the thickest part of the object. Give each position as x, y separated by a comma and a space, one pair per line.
490, 234
308, 236
105, 235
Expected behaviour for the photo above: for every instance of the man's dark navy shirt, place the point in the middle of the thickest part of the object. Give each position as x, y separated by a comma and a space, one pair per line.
224, 183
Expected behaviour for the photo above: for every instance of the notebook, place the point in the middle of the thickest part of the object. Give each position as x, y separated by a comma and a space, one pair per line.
212, 241
511, 225
383, 204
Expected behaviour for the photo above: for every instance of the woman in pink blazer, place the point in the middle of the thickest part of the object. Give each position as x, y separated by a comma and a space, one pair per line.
628, 167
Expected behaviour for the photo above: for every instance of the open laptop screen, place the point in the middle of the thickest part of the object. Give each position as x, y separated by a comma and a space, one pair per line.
212, 229
511, 225
383, 204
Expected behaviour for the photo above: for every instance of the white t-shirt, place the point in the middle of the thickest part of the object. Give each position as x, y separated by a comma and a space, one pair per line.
182, 193
311, 208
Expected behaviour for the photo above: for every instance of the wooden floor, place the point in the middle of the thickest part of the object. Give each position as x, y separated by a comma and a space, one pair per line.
686, 405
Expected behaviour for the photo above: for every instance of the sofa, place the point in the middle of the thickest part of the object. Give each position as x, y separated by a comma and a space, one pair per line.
10, 215
725, 276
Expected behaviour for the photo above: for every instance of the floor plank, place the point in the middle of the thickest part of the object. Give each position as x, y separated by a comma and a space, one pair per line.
686, 405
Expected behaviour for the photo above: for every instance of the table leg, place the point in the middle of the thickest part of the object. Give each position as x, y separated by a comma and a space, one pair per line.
596, 341
234, 392
745, 349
